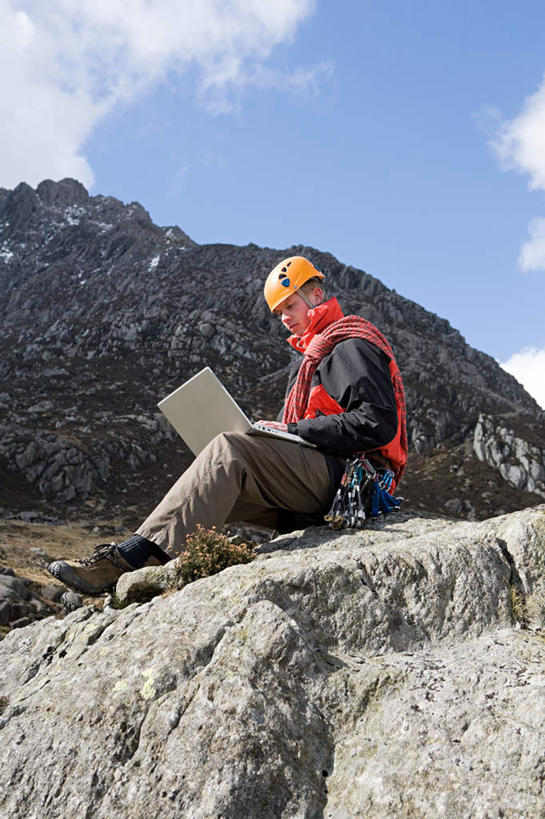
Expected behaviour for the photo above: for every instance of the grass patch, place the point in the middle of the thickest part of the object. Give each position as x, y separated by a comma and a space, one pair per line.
518, 607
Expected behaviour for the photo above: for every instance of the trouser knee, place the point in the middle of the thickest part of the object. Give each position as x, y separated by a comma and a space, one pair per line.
226, 444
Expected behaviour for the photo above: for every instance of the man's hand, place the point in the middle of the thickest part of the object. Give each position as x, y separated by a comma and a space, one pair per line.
274, 425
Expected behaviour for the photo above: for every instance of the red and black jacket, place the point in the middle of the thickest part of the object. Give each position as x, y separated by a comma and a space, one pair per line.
352, 405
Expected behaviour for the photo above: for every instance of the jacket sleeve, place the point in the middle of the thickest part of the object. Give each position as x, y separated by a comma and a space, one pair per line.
356, 375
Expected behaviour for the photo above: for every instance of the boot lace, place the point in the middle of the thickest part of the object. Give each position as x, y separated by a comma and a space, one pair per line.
102, 551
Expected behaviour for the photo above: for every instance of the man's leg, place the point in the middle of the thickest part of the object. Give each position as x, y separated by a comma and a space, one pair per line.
235, 470
234, 473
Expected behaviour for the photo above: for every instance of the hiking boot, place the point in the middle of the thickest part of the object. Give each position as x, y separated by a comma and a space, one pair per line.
94, 574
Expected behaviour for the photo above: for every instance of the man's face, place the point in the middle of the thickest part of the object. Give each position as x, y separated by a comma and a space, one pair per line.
294, 314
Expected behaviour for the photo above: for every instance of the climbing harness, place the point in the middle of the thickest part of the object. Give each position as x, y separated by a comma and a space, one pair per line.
363, 493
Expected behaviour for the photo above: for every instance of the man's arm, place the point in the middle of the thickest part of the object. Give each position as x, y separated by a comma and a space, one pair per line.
357, 377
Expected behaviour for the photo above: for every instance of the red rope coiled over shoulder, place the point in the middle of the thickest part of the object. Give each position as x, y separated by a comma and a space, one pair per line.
320, 346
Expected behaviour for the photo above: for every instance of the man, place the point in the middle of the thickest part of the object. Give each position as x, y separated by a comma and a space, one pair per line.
345, 395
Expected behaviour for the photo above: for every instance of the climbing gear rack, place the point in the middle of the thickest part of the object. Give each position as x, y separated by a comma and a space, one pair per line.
363, 492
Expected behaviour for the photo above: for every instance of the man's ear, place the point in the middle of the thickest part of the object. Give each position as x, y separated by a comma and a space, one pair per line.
317, 296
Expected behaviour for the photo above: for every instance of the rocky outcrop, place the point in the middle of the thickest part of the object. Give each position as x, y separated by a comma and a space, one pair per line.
519, 463
395, 671
19, 602
66, 466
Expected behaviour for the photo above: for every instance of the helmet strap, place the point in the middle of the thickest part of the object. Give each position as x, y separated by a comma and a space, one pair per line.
307, 301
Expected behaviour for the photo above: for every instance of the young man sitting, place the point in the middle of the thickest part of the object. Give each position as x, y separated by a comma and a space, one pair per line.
344, 394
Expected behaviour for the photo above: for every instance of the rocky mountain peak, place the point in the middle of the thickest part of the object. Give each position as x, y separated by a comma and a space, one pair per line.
105, 312
62, 194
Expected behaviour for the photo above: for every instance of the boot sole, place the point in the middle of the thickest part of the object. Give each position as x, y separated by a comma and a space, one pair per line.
63, 572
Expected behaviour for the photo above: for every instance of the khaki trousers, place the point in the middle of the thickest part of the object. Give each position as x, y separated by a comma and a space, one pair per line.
240, 477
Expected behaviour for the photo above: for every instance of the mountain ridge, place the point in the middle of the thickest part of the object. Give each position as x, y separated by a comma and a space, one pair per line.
104, 313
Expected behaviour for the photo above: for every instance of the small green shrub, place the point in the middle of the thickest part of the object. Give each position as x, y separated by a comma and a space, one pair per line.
208, 552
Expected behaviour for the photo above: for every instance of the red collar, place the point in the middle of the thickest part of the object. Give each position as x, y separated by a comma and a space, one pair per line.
320, 318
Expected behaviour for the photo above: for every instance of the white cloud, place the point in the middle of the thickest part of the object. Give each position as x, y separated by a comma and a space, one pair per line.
528, 367
300, 81
66, 64
520, 145
532, 255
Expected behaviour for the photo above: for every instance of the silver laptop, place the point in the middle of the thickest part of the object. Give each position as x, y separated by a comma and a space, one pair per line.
202, 408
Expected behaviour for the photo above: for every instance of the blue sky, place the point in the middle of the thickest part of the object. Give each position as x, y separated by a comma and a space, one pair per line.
364, 128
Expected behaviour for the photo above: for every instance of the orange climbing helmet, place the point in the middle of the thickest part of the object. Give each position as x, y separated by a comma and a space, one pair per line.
287, 278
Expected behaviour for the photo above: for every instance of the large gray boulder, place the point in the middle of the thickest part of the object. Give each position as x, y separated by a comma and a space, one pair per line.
397, 671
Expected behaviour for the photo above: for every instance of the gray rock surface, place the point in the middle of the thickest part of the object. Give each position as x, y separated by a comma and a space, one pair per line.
396, 671
71, 601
